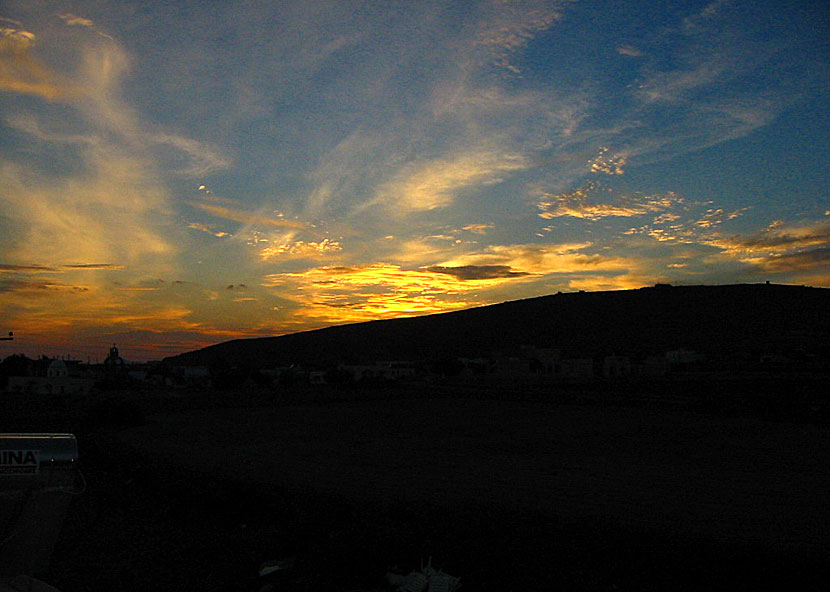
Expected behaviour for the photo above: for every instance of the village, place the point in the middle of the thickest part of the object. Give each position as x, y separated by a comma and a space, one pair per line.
529, 365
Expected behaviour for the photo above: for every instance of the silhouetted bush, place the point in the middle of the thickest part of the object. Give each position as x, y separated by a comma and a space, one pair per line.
15, 365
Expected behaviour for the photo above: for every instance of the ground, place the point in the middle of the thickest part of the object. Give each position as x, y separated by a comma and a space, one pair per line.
732, 479
506, 494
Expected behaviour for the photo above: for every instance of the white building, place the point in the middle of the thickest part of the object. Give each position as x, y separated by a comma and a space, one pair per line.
56, 382
616, 366
381, 371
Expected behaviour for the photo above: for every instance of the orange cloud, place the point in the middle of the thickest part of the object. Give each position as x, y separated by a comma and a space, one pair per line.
208, 229
478, 228
72, 20
797, 261
338, 294
542, 259
300, 249
609, 164
778, 237
617, 282
582, 203
376, 291
21, 72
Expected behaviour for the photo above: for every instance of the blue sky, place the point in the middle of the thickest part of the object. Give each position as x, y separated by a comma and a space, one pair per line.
178, 174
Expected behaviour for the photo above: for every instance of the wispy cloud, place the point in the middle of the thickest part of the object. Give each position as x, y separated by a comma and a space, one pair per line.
798, 252
376, 174
433, 184
300, 249
542, 259
26, 269
71, 19
203, 159
42, 288
100, 204
94, 266
587, 202
689, 223
793, 249
478, 228
22, 72
778, 237
705, 17
629, 50
716, 216
511, 26
817, 259
208, 229
247, 217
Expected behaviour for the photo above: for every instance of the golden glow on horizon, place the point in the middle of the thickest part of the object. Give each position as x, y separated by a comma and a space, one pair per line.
622, 282
374, 175
376, 291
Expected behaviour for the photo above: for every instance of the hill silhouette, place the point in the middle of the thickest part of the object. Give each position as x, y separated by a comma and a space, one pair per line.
728, 321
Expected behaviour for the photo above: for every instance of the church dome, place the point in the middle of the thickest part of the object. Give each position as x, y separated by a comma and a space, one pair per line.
57, 368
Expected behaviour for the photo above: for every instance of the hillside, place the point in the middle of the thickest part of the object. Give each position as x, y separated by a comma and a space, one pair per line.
730, 321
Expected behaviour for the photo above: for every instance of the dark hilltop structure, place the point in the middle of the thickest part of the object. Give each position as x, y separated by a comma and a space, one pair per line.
742, 321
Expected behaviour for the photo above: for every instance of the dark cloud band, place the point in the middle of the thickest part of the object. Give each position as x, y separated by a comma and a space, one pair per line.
478, 272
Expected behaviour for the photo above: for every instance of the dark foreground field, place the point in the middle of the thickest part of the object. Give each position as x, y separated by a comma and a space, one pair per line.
507, 495
739, 481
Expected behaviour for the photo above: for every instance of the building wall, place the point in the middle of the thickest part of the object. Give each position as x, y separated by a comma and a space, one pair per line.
45, 385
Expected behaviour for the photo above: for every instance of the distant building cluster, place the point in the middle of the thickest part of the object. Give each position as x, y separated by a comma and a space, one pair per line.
65, 376
525, 365
59, 377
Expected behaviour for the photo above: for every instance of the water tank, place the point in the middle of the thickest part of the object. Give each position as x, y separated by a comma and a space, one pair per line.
38, 476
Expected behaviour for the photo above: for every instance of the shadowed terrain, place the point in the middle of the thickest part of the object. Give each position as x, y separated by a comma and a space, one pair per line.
504, 489
737, 480
711, 478
721, 321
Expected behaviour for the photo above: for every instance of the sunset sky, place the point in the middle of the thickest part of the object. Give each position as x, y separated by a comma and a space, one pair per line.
177, 174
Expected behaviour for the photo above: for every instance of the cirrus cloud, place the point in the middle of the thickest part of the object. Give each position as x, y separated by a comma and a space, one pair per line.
433, 184
22, 72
